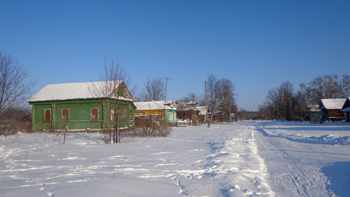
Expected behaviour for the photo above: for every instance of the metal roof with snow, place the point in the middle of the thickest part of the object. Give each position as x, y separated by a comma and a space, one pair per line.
153, 105
83, 90
336, 103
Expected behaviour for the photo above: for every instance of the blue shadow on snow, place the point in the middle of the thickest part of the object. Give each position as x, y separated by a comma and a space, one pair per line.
339, 178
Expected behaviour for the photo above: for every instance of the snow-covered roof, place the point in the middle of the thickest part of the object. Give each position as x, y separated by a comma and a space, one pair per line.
202, 110
154, 105
186, 105
332, 103
83, 90
313, 108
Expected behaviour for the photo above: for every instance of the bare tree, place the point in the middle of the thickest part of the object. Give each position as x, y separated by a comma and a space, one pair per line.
190, 97
284, 103
114, 92
226, 98
287, 96
154, 90
281, 100
14, 83
212, 89
221, 97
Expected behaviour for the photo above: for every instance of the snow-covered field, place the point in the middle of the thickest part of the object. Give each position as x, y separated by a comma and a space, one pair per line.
241, 159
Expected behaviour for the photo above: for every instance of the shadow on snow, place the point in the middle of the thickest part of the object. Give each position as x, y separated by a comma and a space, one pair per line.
339, 177
324, 139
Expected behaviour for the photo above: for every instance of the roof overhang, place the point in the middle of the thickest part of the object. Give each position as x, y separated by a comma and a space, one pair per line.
346, 109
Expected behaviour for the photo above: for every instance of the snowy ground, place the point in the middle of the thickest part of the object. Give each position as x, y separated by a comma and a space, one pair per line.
241, 159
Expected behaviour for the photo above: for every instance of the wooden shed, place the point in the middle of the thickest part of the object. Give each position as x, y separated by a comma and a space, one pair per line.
83, 106
314, 113
330, 109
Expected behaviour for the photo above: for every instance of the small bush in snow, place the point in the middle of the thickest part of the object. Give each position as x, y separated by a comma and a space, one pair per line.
14, 120
151, 127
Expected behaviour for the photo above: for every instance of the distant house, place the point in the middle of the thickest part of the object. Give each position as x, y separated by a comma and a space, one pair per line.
314, 113
81, 106
346, 109
187, 110
330, 109
203, 112
162, 109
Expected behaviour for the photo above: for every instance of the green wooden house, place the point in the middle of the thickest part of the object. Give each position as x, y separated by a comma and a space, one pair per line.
83, 106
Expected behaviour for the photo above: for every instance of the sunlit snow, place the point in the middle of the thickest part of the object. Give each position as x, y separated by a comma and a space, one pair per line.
239, 159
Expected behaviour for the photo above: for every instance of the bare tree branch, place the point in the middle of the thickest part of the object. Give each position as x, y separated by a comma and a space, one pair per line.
14, 83
113, 89
154, 90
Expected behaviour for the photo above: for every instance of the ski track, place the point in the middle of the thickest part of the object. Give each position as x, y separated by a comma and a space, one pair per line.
302, 180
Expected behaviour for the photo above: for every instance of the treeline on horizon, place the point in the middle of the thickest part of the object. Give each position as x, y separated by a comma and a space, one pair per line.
285, 103
281, 103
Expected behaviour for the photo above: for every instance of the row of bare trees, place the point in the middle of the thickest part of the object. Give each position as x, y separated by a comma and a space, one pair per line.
326, 86
221, 98
286, 103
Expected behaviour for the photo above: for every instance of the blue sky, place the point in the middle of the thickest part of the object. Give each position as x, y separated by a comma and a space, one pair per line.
256, 44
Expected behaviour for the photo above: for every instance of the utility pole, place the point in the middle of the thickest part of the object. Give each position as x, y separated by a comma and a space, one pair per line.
166, 87
229, 111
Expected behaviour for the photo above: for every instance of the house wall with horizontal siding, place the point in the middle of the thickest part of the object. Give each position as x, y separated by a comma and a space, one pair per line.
160, 112
79, 115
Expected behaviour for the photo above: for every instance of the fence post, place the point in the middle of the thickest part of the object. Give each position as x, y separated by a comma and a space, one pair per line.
64, 134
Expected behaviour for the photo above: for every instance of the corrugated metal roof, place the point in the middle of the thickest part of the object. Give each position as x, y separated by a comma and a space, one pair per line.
153, 105
68, 91
333, 103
